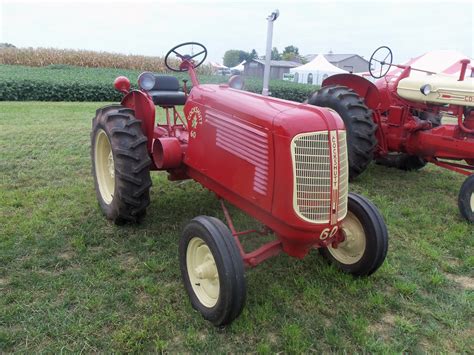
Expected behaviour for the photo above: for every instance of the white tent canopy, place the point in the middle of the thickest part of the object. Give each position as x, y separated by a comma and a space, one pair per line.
216, 65
239, 67
315, 71
445, 62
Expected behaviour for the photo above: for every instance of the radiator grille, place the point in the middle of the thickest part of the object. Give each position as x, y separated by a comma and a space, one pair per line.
312, 198
312, 174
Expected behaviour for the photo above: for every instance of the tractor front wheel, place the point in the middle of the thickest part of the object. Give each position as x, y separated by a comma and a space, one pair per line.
401, 161
466, 199
361, 141
120, 164
212, 270
365, 239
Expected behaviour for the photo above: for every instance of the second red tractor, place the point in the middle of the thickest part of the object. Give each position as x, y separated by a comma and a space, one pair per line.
398, 120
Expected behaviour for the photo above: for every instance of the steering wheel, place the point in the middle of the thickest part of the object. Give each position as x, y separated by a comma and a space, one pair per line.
185, 57
383, 56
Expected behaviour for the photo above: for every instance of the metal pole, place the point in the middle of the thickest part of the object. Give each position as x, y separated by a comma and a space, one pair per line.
268, 56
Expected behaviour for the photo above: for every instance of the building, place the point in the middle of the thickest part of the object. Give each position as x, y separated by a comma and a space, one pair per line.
353, 63
255, 68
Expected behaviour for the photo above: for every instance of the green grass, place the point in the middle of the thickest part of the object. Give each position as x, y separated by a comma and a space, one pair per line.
71, 281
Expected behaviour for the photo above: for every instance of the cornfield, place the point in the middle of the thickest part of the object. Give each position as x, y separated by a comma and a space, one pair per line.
41, 57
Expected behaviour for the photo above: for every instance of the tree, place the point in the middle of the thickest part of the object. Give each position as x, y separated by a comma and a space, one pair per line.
291, 53
252, 55
291, 49
275, 54
6, 45
232, 57
236, 56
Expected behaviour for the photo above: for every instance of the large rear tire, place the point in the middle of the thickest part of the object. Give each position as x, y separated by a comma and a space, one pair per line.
120, 164
366, 239
212, 270
402, 161
466, 199
357, 117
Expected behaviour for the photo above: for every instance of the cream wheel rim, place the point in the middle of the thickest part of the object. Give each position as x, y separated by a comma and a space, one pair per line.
202, 272
104, 166
351, 250
472, 202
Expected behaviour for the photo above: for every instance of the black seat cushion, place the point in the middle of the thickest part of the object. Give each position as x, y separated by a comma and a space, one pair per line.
167, 98
166, 91
166, 83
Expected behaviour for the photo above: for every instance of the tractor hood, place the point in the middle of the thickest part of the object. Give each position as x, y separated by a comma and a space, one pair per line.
282, 117
441, 90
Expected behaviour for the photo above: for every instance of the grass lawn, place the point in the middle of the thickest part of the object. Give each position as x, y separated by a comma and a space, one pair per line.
72, 281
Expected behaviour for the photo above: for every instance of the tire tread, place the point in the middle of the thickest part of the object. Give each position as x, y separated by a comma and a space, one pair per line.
357, 118
132, 162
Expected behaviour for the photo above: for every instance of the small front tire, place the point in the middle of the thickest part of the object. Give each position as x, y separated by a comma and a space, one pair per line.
366, 239
212, 270
466, 199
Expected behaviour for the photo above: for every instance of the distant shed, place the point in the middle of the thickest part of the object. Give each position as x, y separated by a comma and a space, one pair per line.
256, 67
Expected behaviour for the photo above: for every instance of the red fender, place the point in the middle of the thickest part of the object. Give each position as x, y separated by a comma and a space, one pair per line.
144, 109
363, 87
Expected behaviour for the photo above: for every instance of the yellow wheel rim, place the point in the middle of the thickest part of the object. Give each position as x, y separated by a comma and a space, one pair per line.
351, 250
202, 271
104, 166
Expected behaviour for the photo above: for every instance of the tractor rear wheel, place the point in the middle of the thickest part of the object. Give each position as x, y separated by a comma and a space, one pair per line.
357, 117
366, 239
212, 270
466, 199
402, 161
120, 164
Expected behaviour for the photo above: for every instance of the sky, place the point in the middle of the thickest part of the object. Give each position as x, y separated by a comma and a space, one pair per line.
409, 28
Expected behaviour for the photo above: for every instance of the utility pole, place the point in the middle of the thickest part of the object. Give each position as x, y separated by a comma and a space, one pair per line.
268, 56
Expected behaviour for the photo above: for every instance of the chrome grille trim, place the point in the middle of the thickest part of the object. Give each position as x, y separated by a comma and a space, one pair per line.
343, 176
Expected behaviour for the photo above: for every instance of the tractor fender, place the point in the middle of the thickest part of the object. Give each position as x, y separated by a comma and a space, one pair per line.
144, 109
363, 87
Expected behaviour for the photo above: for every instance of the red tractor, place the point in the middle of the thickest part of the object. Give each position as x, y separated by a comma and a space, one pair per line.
281, 162
398, 120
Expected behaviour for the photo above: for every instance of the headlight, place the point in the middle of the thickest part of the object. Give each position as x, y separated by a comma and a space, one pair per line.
426, 89
146, 81
236, 82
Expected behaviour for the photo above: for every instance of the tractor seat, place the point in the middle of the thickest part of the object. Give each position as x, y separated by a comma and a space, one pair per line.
166, 91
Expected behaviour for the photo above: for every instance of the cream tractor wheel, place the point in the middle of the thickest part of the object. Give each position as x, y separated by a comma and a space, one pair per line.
104, 166
212, 270
351, 250
202, 271
365, 239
